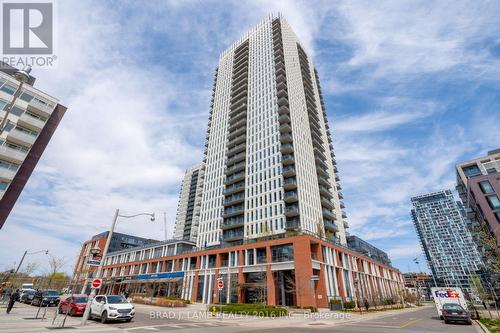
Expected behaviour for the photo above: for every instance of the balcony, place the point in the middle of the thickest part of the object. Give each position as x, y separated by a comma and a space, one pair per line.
237, 132
325, 191
241, 147
283, 110
235, 109
21, 138
291, 196
239, 124
232, 236
233, 211
346, 225
238, 116
235, 188
237, 140
12, 155
287, 159
291, 211
232, 223
282, 101
326, 203
324, 181
285, 128
235, 168
289, 171
235, 178
39, 106
7, 174
292, 224
284, 119
286, 138
329, 225
287, 148
31, 122
329, 214
289, 183
342, 205
234, 199
236, 158
282, 93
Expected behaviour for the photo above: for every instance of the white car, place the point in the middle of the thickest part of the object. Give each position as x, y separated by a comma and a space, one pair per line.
111, 307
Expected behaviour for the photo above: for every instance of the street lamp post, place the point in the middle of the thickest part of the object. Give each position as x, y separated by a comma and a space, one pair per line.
22, 259
104, 252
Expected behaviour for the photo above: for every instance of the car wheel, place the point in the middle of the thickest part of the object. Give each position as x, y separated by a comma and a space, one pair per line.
446, 321
104, 317
71, 313
59, 310
469, 322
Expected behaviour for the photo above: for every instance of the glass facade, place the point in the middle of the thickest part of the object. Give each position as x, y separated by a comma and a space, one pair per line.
447, 243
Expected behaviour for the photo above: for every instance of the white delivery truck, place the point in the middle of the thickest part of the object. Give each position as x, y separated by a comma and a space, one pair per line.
447, 295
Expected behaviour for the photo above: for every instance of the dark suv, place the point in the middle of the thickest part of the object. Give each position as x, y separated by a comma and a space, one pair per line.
46, 297
455, 312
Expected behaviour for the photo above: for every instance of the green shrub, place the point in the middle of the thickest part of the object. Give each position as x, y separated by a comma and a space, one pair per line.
335, 301
349, 305
312, 308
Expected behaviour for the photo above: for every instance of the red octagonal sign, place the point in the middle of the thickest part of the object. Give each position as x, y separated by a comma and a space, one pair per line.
96, 283
220, 284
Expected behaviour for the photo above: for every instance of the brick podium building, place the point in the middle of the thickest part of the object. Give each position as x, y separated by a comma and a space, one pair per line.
297, 270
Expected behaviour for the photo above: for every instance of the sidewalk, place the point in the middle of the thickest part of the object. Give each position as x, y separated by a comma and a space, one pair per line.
21, 319
198, 312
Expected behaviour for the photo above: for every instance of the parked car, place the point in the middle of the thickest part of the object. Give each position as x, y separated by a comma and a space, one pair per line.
73, 305
46, 297
27, 296
111, 307
455, 312
26, 286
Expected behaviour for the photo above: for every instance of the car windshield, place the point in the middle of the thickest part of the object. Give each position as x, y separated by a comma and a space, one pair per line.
454, 307
115, 299
80, 300
30, 292
50, 293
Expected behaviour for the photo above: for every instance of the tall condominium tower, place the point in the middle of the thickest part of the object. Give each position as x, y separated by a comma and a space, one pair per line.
447, 243
28, 118
269, 161
188, 210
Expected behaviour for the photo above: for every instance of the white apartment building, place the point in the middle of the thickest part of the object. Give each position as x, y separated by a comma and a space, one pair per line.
188, 210
28, 118
269, 163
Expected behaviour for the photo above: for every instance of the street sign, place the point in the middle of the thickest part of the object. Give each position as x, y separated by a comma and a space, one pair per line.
220, 283
93, 262
96, 283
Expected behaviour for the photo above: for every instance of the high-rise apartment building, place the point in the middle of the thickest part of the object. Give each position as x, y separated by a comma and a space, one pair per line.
269, 161
441, 225
478, 184
28, 119
188, 210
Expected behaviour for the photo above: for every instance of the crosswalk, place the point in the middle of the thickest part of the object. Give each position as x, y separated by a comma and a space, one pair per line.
168, 327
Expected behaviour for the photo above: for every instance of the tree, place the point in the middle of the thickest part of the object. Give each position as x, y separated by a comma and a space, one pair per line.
30, 268
55, 266
477, 286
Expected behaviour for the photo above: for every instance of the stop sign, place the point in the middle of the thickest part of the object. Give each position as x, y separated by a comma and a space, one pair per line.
96, 283
220, 284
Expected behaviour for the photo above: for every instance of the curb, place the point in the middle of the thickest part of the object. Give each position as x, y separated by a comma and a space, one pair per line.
484, 328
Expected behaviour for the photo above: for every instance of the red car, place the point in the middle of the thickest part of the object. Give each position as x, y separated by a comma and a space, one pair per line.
73, 305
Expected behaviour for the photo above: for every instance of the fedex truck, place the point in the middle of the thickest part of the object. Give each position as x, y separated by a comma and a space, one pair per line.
447, 295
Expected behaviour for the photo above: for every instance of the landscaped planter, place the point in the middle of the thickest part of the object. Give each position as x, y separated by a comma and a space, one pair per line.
335, 306
159, 301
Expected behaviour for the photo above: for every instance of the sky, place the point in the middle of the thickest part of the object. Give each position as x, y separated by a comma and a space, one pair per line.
410, 89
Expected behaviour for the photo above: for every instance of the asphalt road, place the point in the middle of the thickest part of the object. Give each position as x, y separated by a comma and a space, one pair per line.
421, 321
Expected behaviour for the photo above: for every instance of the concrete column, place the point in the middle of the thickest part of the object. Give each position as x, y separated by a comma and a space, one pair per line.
241, 276
195, 280
216, 289
271, 288
303, 272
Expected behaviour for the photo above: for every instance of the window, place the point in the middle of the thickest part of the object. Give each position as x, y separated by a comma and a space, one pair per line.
26, 97
494, 201
497, 215
9, 89
486, 187
2, 104
498, 180
3, 186
472, 170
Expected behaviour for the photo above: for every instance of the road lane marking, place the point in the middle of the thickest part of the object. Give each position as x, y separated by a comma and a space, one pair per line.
411, 322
